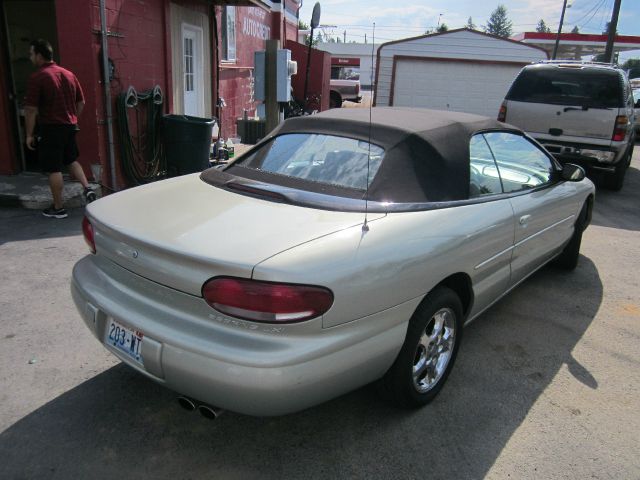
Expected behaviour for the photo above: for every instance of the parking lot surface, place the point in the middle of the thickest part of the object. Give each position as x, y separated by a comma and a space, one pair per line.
546, 384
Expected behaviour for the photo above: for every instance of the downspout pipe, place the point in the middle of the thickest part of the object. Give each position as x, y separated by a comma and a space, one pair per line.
216, 53
107, 93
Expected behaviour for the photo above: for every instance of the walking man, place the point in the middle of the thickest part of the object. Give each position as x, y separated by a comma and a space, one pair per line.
55, 97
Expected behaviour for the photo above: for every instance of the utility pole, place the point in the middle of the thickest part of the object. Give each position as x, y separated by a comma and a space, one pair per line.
271, 93
345, 36
555, 48
365, 38
613, 26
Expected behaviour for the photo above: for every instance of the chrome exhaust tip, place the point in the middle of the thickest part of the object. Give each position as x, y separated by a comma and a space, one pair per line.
186, 403
210, 412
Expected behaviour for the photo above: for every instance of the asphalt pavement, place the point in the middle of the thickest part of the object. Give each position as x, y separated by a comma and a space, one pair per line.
546, 384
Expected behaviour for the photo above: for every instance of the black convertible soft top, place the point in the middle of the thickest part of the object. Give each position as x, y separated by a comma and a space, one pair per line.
426, 151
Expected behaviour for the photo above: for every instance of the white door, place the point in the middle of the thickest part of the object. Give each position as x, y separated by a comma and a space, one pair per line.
192, 67
461, 86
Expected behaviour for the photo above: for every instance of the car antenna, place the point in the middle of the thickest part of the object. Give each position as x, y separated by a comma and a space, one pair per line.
365, 225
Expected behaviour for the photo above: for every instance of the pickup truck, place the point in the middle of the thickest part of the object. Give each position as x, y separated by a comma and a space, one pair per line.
344, 83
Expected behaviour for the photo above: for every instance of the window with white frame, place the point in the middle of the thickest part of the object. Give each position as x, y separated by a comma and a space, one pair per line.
229, 34
188, 65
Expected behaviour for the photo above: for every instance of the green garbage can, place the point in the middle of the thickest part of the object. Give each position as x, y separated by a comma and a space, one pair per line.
187, 142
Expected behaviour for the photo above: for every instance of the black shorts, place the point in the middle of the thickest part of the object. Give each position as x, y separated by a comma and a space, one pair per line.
57, 147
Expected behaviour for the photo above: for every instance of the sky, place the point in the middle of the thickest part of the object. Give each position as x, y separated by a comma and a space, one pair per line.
395, 20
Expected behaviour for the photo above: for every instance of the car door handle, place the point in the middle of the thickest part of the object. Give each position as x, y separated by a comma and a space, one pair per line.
524, 220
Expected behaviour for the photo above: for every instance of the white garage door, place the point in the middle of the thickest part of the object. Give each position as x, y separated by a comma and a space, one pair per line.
452, 85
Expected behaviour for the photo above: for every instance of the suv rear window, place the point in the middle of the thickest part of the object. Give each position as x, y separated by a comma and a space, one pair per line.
595, 88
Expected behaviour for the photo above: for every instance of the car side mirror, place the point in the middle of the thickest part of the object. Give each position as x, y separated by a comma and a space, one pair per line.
572, 173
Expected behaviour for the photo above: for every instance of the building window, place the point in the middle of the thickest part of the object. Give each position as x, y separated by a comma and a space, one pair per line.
229, 34
188, 65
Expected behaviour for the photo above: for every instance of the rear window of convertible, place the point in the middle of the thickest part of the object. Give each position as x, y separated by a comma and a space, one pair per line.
324, 159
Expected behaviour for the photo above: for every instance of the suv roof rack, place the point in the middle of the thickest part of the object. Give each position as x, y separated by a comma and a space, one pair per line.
578, 62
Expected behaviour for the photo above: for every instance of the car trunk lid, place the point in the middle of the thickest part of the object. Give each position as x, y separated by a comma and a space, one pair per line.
182, 231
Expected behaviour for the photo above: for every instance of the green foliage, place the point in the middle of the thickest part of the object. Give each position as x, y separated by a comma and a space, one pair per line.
499, 24
633, 67
575, 29
601, 58
305, 26
542, 27
471, 25
442, 28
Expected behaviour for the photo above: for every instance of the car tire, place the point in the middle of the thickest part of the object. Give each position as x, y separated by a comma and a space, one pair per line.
335, 101
429, 351
568, 258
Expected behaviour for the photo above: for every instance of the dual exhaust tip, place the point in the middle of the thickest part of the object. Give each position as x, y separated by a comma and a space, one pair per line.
207, 411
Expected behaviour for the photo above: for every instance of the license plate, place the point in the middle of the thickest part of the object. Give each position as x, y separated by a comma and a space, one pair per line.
125, 339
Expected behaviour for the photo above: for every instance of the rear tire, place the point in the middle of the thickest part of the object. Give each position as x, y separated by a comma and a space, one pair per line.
429, 351
568, 259
335, 100
615, 181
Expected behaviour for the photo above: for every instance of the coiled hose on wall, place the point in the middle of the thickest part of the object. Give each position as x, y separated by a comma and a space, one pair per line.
140, 142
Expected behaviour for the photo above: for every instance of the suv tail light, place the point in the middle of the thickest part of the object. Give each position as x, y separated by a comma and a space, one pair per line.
620, 130
266, 301
502, 114
89, 235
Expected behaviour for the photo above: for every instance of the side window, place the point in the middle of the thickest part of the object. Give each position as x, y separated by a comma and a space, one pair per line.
521, 164
229, 34
483, 173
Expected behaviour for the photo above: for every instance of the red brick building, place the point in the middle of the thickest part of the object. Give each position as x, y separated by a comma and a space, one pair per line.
196, 51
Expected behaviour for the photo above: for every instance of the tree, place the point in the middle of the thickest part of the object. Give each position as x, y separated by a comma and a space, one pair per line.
542, 27
575, 30
601, 58
305, 26
470, 25
633, 67
499, 24
442, 28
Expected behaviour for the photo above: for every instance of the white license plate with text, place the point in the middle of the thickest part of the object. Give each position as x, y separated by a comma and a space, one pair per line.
125, 339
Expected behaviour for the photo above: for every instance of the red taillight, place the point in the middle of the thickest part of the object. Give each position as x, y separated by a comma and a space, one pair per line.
502, 114
89, 237
620, 130
266, 301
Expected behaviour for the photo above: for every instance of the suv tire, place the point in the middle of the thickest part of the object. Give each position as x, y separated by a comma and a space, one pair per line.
335, 100
615, 181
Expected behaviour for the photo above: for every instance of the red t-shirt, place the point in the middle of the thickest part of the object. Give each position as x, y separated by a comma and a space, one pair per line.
54, 91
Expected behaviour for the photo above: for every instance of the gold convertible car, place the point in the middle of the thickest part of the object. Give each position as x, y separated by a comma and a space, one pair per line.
345, 248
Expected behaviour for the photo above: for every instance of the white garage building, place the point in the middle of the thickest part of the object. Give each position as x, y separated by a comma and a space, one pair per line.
461, 70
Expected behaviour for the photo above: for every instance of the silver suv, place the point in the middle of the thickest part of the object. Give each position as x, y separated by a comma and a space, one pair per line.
581, 112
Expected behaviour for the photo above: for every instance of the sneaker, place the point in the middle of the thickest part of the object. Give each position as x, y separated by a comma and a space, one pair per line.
53, 212
89, 195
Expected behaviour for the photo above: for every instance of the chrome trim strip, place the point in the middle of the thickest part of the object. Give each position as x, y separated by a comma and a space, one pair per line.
479, 266
521, 242
508, 291
524, 240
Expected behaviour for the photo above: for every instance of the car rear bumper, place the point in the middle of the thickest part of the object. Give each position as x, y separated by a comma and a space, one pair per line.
241, 366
